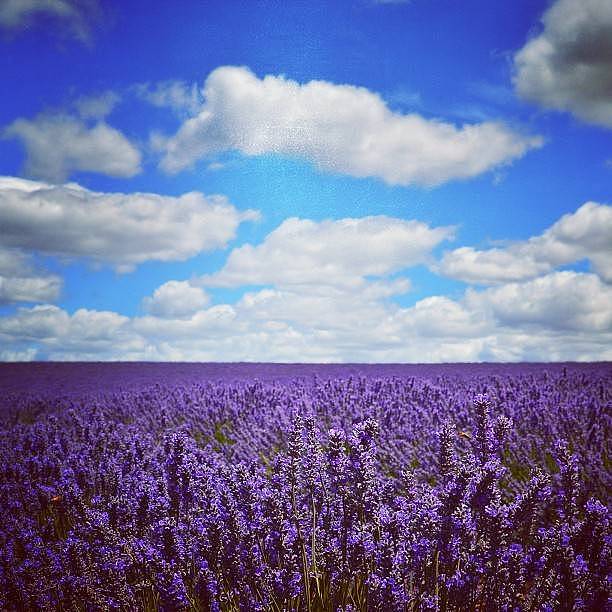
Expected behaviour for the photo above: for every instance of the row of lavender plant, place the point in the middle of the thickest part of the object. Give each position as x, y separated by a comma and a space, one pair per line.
352, 494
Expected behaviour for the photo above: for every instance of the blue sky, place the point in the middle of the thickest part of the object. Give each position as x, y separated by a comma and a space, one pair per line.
354, 181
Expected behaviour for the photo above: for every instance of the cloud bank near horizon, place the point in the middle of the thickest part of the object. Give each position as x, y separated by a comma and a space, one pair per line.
328, 291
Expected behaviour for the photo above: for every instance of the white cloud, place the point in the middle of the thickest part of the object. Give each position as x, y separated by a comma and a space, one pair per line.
568, 66
338, 314
37, 323
24, 355
567, 301
340, 128
20, 282
29, 288
86, 334
335, 253
491, 266
115, 228
18, 14
58, 145
14, 12
330, 297
441, 317
183, 98
176, 300
562, 316
97, 106
585, 234
312, 323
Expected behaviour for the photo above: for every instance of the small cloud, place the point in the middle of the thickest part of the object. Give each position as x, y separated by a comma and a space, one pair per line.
176, 300
74, 15
58, 144
183, 98
214, 166
97, 106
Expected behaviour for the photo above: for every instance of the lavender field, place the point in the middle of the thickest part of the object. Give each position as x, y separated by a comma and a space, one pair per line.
296, 487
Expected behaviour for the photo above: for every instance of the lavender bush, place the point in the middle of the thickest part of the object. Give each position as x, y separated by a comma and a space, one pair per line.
445, 491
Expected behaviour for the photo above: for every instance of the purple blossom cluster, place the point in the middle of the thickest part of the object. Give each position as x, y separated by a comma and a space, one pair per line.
475, 492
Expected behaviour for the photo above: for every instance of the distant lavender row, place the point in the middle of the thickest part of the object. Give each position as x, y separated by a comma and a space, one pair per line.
320, 488
55, 379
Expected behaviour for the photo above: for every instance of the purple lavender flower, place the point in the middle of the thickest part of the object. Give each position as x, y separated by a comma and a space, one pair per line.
387, 492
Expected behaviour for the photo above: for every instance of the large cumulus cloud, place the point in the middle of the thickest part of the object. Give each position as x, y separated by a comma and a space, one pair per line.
122, 230
340, 128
